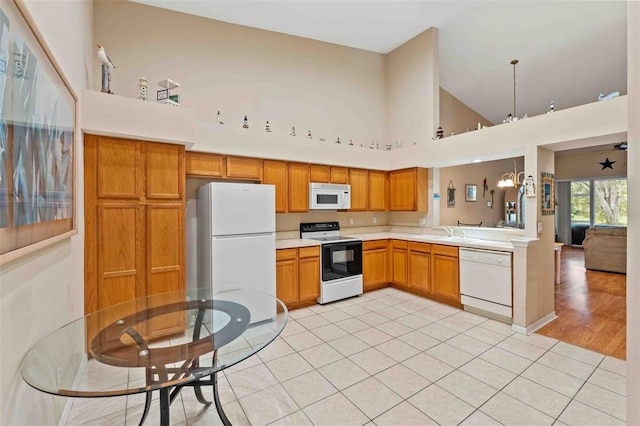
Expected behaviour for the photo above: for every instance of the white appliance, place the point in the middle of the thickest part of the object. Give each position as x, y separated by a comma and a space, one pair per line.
340, 259
485, 281
329, 196
237, 241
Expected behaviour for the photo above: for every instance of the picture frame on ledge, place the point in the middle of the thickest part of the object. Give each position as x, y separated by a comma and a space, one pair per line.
471, 193
38, 132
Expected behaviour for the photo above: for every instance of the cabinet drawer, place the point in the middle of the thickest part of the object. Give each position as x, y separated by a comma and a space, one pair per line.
445, 250
399, 244
201, 164
286, 254
421, 247
373, 245
309, 252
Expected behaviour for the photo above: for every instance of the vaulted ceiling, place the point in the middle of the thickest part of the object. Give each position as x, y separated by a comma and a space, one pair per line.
568, 51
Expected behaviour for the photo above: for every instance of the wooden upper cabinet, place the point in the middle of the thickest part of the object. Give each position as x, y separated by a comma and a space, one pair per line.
320, 173
275, 173
118, 163
359, 180
298, 187
408, 189
244, 168
164, 171
205, 165
339, 175
378, 190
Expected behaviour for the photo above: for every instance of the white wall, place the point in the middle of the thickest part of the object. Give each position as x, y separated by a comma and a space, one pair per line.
633, 215
43, 291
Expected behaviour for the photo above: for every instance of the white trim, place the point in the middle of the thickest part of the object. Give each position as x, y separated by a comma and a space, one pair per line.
536, 325
64, 418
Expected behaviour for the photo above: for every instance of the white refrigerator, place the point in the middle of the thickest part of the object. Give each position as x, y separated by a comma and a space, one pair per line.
237, 242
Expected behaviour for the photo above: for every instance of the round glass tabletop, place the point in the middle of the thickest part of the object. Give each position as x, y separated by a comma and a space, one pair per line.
155, 342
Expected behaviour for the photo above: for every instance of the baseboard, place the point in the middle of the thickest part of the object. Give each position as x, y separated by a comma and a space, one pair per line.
536, 325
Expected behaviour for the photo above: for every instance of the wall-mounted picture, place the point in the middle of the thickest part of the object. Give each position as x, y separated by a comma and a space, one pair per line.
548, 207
470, 192
37, 133
451, 195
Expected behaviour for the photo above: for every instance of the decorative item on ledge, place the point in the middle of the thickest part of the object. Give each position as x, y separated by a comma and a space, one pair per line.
169, 93
267, 129
322, 139
551, 108
611, 95
245, 125
529, 187
219, 118
511, 178
338, 140
293, 131
388, 147
102, 56
351, 142
309, 134
143, 85
439, 133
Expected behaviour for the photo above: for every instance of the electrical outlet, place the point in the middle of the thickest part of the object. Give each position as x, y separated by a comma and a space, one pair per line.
375, 219
423, 221
350, 221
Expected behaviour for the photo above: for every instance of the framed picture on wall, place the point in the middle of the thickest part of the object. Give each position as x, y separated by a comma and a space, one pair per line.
548, 196
470, 192
37, 140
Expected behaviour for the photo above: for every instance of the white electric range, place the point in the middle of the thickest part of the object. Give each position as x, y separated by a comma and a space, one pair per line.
340, 260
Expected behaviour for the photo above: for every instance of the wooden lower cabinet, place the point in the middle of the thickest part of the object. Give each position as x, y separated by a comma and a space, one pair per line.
375, 264
419, 266
446, 275
298, 276
399, 262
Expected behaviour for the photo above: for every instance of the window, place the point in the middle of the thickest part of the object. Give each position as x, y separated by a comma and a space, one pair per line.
597, 202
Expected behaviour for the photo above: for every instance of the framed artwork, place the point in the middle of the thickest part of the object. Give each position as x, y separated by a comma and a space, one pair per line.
451, 195
470, 192
37, 140
548, 196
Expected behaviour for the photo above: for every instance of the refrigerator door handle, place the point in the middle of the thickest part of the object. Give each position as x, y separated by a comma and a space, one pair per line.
260, 234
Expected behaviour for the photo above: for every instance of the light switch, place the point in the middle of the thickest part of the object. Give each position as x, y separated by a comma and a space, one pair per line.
350, 221
539, 227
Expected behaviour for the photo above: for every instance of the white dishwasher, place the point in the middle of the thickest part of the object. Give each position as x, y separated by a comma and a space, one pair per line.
485, 281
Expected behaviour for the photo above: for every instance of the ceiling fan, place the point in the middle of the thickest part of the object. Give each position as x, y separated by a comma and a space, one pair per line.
622, 146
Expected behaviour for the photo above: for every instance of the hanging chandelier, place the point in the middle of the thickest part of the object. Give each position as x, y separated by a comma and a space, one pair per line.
511, 179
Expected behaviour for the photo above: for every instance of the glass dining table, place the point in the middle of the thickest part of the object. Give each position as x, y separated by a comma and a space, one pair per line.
163, 343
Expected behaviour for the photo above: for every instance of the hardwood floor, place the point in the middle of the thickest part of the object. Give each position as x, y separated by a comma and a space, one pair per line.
591, 307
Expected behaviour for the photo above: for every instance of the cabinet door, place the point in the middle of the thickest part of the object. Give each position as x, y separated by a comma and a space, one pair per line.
205, 165
120, 253
320, 173
244, 168
399, 260
165, 261
408, 190
339, 175
419, 270
298, 187
119, 167
374, 264
378, 193
359, 180
287, 281
275, 173
164, 167
308, 278
446, 272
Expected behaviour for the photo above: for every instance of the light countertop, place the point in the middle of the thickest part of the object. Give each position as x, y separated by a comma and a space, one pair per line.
434, 239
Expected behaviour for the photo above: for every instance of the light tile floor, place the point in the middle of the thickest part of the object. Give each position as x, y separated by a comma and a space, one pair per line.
391, 358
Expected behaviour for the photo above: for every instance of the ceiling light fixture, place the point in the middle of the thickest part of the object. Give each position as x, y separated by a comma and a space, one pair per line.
511, 179
514, 62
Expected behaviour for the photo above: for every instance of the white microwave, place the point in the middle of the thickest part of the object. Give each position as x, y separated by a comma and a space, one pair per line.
329, 196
